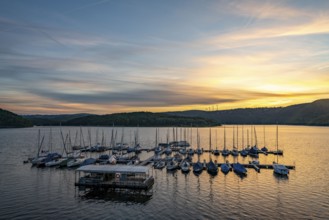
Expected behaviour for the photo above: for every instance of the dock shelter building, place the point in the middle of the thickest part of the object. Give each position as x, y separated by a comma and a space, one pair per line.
114, 176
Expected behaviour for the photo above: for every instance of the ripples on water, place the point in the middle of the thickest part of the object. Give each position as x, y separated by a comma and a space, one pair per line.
49, 193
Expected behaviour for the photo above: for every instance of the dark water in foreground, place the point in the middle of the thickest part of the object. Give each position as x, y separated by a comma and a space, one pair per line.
49, 193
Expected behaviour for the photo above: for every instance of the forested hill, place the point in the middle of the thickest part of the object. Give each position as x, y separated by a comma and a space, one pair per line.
144, 119
46, 120
11, 120
315, 113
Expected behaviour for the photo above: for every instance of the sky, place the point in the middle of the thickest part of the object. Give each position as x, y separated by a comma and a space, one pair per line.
106, 56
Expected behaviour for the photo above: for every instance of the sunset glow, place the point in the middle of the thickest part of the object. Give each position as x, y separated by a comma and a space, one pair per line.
121, 56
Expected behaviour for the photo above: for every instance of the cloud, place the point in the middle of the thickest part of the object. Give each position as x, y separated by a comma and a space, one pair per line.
84, 6
273, 21
239, 53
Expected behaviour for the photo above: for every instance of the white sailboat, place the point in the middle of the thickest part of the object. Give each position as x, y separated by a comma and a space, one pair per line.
185, 166
198, 166
216, 151
243, 152
264, 149
234, 152
212, 166
225, 152
38, 157
279, 168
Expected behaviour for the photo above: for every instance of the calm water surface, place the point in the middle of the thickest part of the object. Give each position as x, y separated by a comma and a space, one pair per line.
49, 193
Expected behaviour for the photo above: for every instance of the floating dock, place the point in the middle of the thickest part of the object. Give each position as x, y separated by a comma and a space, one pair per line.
114, 177
257, 167
176, 149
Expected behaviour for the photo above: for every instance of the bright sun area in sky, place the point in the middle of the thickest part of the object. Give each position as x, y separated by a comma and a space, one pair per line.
120, 56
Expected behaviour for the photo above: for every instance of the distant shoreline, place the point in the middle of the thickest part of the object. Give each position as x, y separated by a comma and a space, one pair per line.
307, 114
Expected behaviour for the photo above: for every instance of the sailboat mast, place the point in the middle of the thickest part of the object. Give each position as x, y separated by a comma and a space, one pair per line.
210, 144
89, 135
176, 137
256, 144
251, 137
237, 136
103, 141
180, 134
191, 136
233, 138
248, 145
38, 153
51, 141
112, 138
224, 138
96, 136
242, 137
210, 140
216, 138
198, 143
277, 142
197, 138
173, 134
264, 136
156, 137
167, 136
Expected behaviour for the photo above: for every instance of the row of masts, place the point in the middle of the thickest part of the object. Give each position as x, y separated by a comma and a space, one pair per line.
177, 133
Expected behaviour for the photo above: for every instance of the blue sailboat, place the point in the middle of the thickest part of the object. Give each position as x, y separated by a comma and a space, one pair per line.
185, 166
239, 169
216, 151
225, 152
198, 166
279, 168
243, 152
212, 167
158, 147
234, 151
225, 168
253, 152
264, 149
172, 165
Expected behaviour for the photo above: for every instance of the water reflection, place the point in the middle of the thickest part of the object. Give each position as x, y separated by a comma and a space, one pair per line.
211, 194
127, 197
240, 175
198, 187
281, 178
174, 195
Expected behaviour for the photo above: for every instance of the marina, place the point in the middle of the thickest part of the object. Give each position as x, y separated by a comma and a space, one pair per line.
119, 165
164, 110
128, 157
226, 189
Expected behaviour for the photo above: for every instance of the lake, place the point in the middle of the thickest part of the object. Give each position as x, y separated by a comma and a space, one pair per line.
49, 193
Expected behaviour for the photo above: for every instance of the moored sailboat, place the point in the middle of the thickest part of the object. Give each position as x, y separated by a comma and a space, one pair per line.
198, 166
239, 168
172, 165
225, 167
185, 166
279, 168
264, 149
225, 152
212, 167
